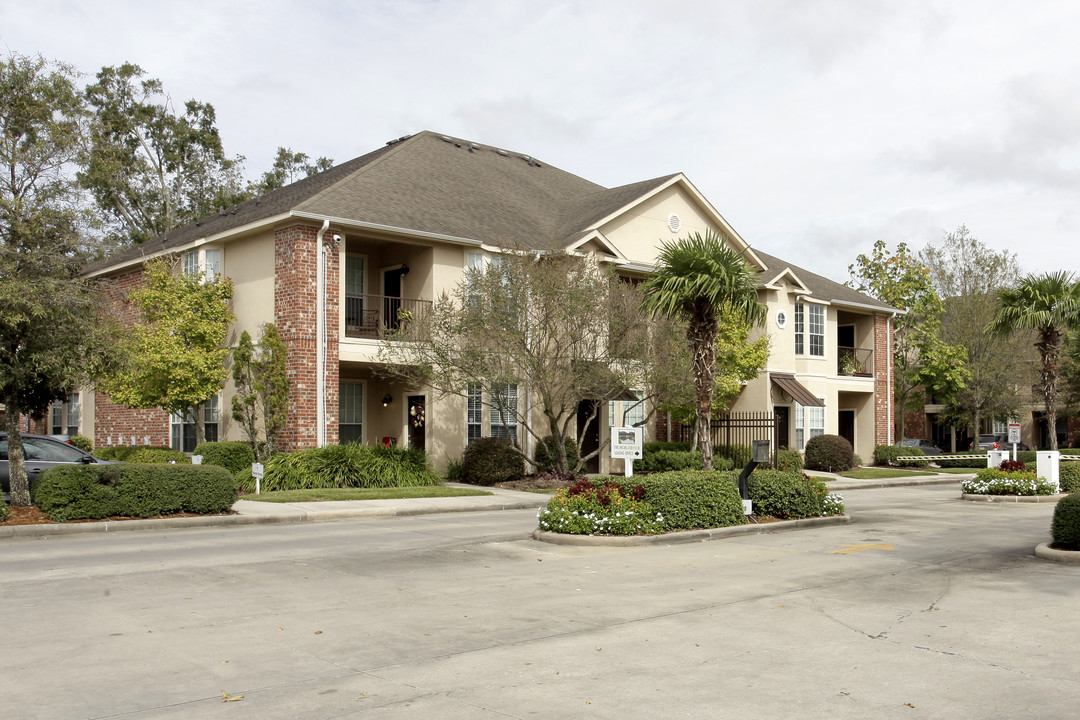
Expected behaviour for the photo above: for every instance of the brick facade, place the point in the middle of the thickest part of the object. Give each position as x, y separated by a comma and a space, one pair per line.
116, 424
295, 266
883, 391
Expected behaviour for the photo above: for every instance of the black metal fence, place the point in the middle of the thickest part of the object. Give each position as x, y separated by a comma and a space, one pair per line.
733, 434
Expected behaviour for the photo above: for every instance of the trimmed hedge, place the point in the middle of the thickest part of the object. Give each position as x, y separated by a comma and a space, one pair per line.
830, 453
489, 460
75, 492
905, 456
546, 455
342, 466
689, 499
667, 460
1065, 527
1069, 477
789, 460
82, 442
787, 495
1024, 456
233, 455
142, 454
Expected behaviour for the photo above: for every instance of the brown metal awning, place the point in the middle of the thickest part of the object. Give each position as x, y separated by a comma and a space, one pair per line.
788, 383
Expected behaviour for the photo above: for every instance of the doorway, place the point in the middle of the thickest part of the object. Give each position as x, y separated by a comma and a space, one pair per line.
391, 290
590, 437
417, 419
782, 415
845, 425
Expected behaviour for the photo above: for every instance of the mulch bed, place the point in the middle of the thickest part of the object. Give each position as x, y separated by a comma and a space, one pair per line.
32, 516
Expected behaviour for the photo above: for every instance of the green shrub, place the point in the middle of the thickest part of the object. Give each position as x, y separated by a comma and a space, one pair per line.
5, 513
830, 453
689, 499
546, 455
739, 455
885, 454
786, 494
72, 492
992, 481
455, 470
489, 460
82, 442
1069, 477
1065, 527
789, 460
586, 508
667, 460
856, 461
341, 466
233, 455
144, 454
1025, 456
657, 446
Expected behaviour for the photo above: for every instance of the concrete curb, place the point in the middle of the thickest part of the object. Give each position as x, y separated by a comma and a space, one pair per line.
22, 531
840, 484
686, 536
1044, 551
1012, 498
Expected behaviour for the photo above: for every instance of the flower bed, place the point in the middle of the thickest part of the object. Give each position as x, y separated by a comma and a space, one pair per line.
992, 481
586, 508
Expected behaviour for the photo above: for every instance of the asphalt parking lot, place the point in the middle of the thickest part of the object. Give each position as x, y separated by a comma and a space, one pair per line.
924, 607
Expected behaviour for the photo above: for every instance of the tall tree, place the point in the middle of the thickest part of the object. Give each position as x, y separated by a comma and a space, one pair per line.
922, 362
175, 353
967, 275
696, 279
1048, 304
289, 167
534, 337
51, 335
262, 389
149, 168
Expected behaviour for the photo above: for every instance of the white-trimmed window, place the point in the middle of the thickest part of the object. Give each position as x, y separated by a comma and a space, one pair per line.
626, 413
474, 412
474, 265
504, 411
183, 425
204, 260
809, 422
810, 329
350, 412
64, 416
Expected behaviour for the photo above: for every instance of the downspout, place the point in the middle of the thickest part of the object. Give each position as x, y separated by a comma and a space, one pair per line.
320, 338
889, 358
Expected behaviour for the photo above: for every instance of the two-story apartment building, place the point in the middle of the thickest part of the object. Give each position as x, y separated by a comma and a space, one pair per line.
337, 258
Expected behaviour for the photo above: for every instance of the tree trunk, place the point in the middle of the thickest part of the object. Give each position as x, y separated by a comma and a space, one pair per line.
1050, 348
20, 488
200, 425
701, 335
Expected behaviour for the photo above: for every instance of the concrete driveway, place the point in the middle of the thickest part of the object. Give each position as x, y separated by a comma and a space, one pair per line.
924, 607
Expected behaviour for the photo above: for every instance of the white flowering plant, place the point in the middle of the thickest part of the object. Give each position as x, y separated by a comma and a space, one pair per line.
833, 504
992, 481
588, 509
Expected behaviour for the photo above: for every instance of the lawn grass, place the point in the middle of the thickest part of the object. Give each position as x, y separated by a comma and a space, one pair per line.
957, 471
320, 495
882, 473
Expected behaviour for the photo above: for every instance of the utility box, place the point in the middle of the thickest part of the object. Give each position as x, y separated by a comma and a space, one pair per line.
995, 457
761, 451
1048, 466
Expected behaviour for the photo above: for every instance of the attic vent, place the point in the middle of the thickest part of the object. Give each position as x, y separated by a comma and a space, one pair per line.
674, 223
473, 147
446, 139
503, 153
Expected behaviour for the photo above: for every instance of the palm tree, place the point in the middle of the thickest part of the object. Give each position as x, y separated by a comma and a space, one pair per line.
1049, 304
696, 279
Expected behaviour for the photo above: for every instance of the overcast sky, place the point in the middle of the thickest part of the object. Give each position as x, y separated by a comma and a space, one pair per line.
814, 126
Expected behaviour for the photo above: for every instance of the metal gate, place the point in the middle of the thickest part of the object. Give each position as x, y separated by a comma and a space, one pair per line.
733, 434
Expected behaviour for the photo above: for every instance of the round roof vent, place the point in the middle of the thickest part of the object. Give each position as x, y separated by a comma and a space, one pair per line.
674, 223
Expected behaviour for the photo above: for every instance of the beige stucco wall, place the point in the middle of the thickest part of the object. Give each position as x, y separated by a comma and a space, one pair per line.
637, 233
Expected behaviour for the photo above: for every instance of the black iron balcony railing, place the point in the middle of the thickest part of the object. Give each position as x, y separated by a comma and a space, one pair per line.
855, 361
373, 316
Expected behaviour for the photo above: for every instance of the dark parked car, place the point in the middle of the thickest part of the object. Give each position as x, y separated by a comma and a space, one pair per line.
984, 442
42, 452
1002, 440
926, 446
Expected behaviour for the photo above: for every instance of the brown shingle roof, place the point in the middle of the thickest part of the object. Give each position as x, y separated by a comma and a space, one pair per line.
822, 288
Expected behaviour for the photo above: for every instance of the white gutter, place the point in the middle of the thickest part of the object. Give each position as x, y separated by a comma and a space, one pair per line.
320, 337
346, 222
863, 306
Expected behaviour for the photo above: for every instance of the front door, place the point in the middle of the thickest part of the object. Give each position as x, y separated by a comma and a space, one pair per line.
417, 420
845, 425
782, 413
590, 436
392, 296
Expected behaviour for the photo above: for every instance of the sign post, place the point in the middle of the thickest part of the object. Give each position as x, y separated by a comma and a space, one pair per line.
626, 444
257, 473
1014, 437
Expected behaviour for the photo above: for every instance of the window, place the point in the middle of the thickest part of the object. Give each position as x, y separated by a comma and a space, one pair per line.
64, 416
474, 414
809, 422
626, 413
351, 413
810, 329
504, 412
474, 265
183, 425
204, 260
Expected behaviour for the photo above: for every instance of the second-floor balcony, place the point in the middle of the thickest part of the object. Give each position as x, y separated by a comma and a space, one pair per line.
857, 362
376, 316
